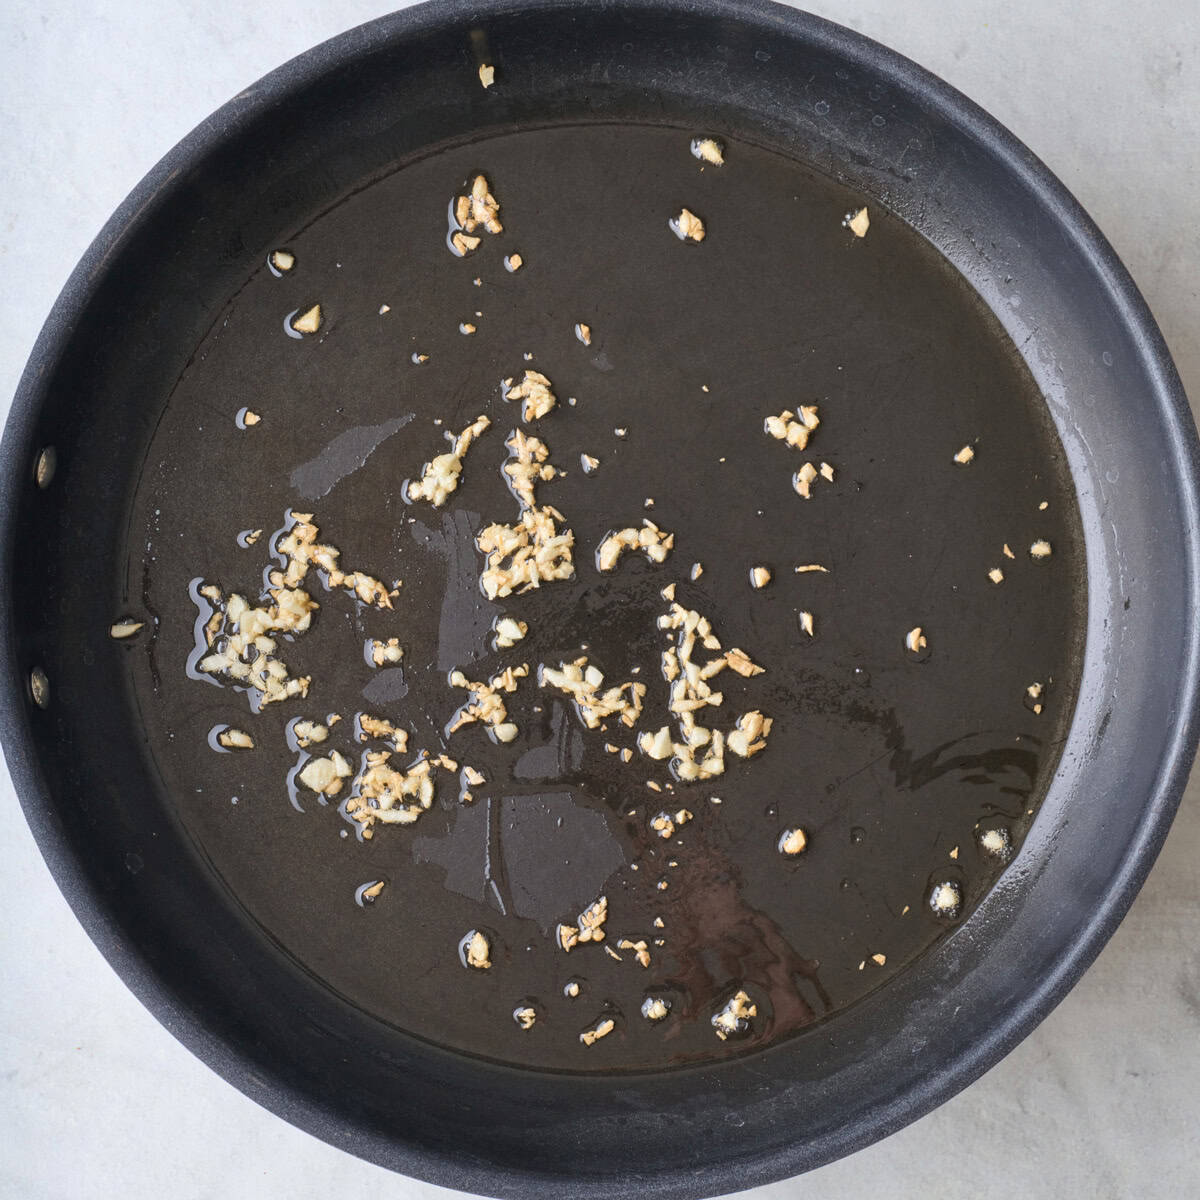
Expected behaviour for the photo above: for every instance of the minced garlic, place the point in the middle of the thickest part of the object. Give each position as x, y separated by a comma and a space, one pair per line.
526, 1015
760, 577
583, 683
1040, 549
650, 540
523, 555
915, 640
527, 466
513, 262
381, 729
439, 477
487, 74
125, 629
806, 623
806, 567
384, 653
536, 391
487, 703
235, 739
795, 428
391, 797
601, 1029
589, 462
309, 733
509, 631
996, 575
792, 841
475, 951
477, 210
655, 1008
708, 150
803, 480
283, 260
749, 735
734, 1018
964, 456
687, 226
641, 952
326, 775
308, 321
584, 333
857, 222
589, 926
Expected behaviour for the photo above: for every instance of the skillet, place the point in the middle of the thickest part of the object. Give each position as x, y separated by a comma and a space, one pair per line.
849, 1094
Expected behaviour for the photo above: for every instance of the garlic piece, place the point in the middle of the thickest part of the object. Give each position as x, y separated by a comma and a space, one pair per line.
857, 222
687, 226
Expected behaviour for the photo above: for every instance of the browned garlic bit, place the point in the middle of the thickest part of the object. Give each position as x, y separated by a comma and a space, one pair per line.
387, 795
589, 926
687, 226
1034, 692
857, 222
803, 480
996, 575
375, 890
326, 775
582, 683
964, 456
283, 260
527, 466
915, 640
439, 478
466, 328
708, 150
536, 390
806, 623
734, 1018
806, 567
308, 321
475, 951
381, 729
641, 952
655, 1008
954, 853
487, 74
1040, 549
525, 1016
584, 333
513, 262
125, 629
879, 959
309, 733
235, 739
509, 631
478, 210
420, 358
527, 554
793, 428
650, 540
487, 703
601, 1029
385, 653
792, 841
249, 418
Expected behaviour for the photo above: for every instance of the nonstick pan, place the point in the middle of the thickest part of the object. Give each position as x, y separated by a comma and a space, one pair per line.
148, 293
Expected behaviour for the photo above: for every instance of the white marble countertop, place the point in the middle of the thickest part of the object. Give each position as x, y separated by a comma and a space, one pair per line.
97, 1100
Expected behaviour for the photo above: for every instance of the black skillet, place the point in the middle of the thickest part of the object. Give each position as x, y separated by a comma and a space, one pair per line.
148, 293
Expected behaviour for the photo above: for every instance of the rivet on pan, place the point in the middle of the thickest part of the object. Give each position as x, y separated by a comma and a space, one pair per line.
43, 470
39, 686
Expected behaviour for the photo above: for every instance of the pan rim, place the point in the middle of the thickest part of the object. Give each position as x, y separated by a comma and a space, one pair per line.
187, 1026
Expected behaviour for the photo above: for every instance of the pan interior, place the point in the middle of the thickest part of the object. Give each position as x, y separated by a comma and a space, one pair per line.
895, 764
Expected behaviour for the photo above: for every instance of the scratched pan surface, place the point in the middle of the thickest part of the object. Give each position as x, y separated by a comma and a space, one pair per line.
981, 308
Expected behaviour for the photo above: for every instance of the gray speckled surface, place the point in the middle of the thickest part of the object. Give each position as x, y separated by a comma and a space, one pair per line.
97, 1100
